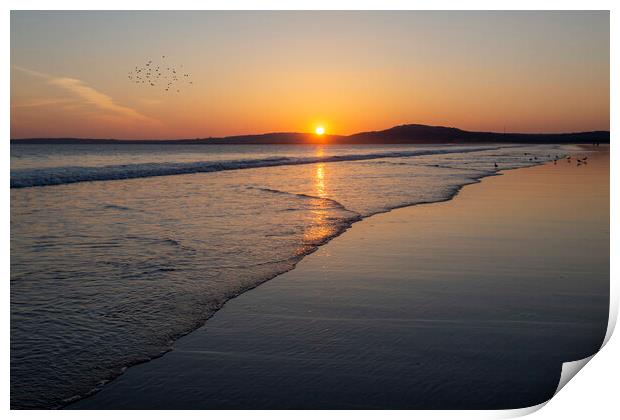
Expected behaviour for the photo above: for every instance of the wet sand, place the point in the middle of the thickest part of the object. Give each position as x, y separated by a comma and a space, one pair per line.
473, 303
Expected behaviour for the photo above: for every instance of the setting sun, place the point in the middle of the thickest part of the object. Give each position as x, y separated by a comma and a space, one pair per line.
319, 131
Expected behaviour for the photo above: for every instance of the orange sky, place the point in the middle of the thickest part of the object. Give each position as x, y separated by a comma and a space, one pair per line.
257, 72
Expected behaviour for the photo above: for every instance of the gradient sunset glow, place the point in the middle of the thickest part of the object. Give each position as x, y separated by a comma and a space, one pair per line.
346, 72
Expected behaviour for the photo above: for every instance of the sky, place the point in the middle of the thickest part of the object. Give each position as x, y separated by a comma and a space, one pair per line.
348, 71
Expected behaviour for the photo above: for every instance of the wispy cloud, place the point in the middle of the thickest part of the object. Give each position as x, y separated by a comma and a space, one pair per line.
96, 98
40, 102
88, 95
32, 72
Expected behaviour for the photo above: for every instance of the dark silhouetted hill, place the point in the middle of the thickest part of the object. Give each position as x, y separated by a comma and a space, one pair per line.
402, 134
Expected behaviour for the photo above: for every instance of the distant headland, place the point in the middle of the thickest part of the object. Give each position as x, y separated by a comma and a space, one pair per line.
402, 134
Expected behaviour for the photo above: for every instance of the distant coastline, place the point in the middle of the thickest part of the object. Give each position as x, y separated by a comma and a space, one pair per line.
402, 134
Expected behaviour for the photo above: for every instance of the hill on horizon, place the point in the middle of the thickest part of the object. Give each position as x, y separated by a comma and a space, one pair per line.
401, 134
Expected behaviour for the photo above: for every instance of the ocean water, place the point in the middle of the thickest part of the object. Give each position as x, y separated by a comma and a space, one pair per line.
118, 250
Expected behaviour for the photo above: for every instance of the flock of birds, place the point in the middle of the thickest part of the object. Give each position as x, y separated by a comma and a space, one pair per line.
582, 161
160, 75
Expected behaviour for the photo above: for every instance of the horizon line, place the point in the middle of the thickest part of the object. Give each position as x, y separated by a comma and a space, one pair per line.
314, 135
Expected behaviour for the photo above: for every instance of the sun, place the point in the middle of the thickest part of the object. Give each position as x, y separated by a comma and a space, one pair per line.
320, 130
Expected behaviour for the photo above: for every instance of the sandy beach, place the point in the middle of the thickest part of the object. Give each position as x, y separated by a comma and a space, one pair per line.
473, 303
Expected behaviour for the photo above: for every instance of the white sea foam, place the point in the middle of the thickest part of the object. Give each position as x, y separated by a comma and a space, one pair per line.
38, 177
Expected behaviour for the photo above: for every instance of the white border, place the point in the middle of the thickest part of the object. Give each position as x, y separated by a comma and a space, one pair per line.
592, 394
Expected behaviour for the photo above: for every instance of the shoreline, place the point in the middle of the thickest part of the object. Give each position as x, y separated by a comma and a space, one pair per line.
94, 385
294, 263
321, 249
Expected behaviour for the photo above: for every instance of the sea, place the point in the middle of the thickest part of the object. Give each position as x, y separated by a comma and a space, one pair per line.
117, 250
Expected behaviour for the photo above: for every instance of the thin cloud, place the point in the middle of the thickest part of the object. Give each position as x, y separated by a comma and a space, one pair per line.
32, 72
96, 98
88, 95
40, 102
